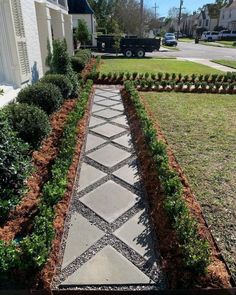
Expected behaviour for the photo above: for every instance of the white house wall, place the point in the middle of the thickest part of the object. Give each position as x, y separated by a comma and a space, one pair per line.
32, 38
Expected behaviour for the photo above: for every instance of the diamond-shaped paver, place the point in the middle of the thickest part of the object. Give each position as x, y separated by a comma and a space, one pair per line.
136, 233
109, 155
95, 121
107, 113
124, 140
116, 97
108, 130
89, 175
82, 235
98, 98
97, 108
108, 267
107, 94
129, 174
107, 103
93, 141
121, 120
110, 200
118, 107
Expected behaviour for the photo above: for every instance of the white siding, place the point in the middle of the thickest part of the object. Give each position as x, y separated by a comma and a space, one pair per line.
32, 36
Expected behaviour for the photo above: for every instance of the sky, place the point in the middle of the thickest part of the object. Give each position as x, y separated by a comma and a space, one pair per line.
164, 6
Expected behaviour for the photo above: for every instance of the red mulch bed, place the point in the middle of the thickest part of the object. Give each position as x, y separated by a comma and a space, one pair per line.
45, 277
20, 218
88, 68
172, 260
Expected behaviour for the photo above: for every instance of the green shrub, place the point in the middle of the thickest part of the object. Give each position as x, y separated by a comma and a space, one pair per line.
30, 122
15, 167
81, 58
195, 250
61, 81
72, 76
45, 95
60, 60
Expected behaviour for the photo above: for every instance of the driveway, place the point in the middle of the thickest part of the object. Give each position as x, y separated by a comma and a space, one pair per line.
192, 50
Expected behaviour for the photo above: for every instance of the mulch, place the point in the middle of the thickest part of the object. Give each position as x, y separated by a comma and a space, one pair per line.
45, 277
178, 276
20, 218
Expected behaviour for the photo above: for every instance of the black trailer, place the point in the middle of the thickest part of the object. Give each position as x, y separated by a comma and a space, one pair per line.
129, 46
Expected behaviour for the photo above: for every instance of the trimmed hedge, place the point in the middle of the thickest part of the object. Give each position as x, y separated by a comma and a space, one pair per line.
32, 252
45, 95
194, 249
30, 122
81, 58
15, 167
61, 81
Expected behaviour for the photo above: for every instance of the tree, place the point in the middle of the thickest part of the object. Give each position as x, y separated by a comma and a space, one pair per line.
82, 33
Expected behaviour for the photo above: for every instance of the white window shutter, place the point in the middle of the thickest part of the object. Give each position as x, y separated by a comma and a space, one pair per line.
21, 40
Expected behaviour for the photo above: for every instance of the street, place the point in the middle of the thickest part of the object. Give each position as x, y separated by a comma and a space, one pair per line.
192, 50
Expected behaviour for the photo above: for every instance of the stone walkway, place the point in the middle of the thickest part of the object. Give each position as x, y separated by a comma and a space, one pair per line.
108, 240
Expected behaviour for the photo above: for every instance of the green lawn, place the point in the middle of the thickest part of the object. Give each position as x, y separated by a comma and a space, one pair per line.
154, 65
225, 62
224, 44
186, 40
201, 129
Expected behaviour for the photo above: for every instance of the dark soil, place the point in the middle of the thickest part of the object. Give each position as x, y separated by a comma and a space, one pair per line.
172, 259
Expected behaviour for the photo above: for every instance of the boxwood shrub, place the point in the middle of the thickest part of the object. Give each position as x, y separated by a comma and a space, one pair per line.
15, 167
61, 81
45, 95
30, 122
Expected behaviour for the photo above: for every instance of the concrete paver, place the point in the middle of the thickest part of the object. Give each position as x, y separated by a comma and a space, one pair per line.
124, 140
93, 142
108, 130
108, 267
109, 241
89, 175
110, 200
128, 173
108, 113
81, 236
109, 155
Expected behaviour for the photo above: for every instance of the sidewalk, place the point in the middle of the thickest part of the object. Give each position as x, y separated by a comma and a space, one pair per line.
108, 241
209, 63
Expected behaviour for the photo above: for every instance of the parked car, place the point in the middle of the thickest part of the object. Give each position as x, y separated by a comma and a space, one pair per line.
227, 35
210, 36
169, 40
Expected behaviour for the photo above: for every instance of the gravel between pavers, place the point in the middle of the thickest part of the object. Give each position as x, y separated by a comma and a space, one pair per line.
151, 270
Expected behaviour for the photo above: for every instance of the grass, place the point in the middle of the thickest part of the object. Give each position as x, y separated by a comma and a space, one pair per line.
224, 44
201, 129
225, 62
187, 40
154, 65
171, 48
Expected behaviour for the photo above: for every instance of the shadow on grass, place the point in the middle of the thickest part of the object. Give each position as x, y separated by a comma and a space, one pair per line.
123, 57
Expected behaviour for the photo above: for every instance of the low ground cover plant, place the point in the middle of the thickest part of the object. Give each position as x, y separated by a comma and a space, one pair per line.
195, 249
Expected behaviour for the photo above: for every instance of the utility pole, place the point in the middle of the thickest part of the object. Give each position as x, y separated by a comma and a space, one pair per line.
179, 18
141, 18
155, 7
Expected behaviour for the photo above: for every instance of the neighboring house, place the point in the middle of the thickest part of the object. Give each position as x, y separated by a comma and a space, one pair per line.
80, 9
189, 24
209, 17
26, 27
228, 16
